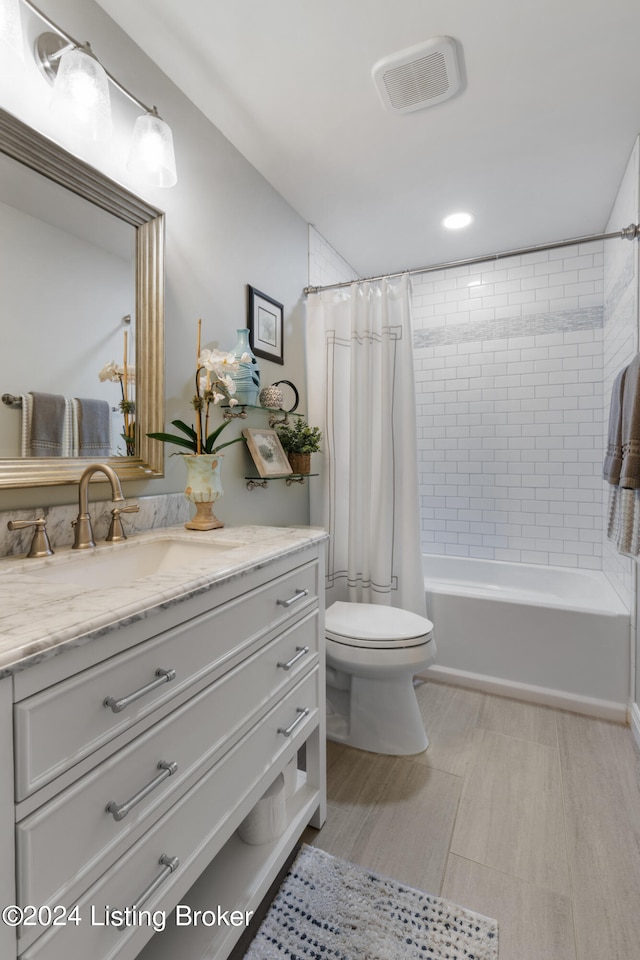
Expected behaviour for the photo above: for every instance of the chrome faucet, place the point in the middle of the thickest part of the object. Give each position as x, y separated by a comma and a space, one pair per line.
82, 523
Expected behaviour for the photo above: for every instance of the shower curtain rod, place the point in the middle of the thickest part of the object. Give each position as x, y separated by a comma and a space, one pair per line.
631, 232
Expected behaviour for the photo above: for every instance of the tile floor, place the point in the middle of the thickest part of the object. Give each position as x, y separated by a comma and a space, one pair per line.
521, 812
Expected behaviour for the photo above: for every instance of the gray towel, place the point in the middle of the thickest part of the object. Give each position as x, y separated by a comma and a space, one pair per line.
623, 525
630, 469
48, 429
94, 428
613, 456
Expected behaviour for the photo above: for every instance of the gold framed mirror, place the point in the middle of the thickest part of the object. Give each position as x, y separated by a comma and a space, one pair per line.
28, 147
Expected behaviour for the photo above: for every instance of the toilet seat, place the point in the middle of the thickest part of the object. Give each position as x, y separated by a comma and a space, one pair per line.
374, 626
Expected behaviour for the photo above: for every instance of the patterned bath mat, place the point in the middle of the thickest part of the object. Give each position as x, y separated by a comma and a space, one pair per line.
329, 909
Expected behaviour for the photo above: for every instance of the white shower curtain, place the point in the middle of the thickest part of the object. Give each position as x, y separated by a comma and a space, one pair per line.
361, 394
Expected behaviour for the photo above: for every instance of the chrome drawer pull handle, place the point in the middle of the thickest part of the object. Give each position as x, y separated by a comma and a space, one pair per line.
170, 864
164, 676
120, 810
298, 595
302, 713
302, 652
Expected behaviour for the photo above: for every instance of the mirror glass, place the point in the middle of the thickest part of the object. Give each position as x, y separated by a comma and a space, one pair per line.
67, 276
81, 275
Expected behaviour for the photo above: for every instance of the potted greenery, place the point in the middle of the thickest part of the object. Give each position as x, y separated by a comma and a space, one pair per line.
299, 442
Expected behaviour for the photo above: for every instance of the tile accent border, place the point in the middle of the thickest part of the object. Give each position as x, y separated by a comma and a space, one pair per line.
563, 321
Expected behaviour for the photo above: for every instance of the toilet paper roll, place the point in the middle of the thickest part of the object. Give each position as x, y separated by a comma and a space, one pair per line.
268, 819
290, 777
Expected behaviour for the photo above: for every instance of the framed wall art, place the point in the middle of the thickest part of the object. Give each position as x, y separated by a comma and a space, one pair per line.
267, 453
266, 326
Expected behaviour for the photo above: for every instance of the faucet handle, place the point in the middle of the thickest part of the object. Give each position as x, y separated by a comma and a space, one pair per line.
116, 530
40, 544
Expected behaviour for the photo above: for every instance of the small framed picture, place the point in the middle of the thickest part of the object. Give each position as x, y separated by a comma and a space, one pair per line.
266, 450
265, 326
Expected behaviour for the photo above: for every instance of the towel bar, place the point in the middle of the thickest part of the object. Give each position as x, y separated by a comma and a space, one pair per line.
13, 401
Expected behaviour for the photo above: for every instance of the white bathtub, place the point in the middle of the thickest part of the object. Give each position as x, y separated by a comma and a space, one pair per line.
552, 635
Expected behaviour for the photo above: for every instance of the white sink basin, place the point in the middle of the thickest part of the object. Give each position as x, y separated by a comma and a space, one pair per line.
119, 564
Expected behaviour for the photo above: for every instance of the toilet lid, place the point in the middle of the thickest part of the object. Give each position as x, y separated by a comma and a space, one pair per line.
369, 624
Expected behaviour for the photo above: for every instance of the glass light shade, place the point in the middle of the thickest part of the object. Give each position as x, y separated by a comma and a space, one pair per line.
151, 155
11, 43
81, 96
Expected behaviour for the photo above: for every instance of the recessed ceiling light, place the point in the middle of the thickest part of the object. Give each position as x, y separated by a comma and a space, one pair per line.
455, 221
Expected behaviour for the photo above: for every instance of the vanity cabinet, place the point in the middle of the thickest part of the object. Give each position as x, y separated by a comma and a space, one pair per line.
136, 757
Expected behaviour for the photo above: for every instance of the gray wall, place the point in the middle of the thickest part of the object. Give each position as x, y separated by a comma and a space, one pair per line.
226, 228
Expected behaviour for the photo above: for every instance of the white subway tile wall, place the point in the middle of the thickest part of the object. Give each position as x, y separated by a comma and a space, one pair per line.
509, 382
326, 266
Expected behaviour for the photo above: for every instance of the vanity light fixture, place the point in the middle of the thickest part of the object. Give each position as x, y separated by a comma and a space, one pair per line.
81, 98
456, 221
11, 42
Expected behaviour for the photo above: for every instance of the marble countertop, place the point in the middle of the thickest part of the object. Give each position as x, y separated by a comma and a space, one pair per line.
40, 618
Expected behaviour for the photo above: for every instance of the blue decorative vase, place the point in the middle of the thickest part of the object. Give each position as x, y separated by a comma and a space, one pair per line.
247, 379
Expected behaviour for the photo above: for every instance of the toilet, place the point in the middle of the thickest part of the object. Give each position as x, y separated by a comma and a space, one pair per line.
372, 654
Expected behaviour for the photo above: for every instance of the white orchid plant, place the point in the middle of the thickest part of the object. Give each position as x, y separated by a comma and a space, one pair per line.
214, 383
124, 375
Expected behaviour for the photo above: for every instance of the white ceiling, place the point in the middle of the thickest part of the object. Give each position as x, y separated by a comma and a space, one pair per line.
534, 145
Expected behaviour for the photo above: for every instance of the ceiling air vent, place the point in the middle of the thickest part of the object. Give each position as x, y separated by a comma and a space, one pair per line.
418, 77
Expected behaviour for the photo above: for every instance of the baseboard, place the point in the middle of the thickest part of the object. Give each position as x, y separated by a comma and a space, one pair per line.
606, 709
634, 720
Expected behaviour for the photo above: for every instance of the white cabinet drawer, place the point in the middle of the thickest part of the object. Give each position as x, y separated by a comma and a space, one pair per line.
198, 824
63, 724
71, 840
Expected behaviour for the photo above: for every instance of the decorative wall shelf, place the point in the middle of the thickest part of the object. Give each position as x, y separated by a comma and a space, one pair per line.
254, 482
276, 416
